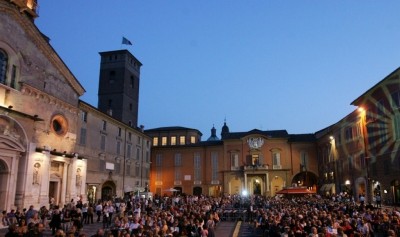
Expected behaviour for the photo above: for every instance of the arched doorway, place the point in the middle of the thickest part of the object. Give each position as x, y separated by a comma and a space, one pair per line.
179, 190
256, 185
108, 191
306, 178
3, 184
197, 191
395, 186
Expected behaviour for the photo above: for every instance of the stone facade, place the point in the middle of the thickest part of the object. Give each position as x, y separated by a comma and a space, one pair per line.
44, 155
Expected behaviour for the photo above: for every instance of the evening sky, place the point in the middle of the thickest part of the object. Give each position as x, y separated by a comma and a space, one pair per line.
259, 64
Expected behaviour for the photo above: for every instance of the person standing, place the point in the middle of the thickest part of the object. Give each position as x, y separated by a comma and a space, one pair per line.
90, 213
99, 210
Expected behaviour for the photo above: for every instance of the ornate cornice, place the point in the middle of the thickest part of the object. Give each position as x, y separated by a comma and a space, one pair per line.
46, 98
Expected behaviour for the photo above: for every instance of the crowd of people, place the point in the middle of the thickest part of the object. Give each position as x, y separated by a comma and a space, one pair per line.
198, 216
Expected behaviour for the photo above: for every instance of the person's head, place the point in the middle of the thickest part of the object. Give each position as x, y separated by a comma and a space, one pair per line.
391, 233
60, 233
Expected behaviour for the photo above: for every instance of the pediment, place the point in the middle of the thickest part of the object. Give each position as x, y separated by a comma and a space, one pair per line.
8, 143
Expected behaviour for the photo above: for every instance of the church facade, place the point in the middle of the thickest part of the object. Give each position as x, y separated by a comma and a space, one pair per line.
53, 146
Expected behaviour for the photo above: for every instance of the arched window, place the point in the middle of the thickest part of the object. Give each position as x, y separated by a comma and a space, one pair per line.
3, 66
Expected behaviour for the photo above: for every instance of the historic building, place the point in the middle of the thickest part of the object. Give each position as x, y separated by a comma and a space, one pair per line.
360, 153
54, 147
253, 162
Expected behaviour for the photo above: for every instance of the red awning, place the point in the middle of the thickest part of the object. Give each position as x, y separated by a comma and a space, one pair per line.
295, 190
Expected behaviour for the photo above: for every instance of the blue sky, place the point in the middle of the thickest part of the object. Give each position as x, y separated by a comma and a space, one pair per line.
294, 65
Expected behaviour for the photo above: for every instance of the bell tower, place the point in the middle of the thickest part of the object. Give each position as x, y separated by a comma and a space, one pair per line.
119, 86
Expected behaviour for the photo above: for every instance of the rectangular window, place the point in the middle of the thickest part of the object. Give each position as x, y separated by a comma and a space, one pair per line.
82, 139
350, 163
173, 140
182, 140
138, 153
84, 116
104, 125
158, 160
192, 139
380, 107
214, 166
128, 169
13, 76
139, 140
129, 136
147, 156
349, 133
178, 174
396, 99
163, 141
255, 160
118, 148
197, 166
276, 158
119, 132
128, 151
103, 143
304, 160
159, 174
137, 170
396, 126
178, 159
234, 161
155, 141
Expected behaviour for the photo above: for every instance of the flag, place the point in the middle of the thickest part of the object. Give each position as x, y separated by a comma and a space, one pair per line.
126, 41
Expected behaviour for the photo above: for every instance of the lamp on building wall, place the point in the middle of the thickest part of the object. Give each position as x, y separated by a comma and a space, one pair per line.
364, 133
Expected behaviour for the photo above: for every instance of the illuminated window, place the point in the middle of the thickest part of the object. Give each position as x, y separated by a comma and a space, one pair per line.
163, 141
173, 140
155, 141
255, 159
182, 140
192, 139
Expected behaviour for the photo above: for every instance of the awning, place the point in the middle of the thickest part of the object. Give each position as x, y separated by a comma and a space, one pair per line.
295, 190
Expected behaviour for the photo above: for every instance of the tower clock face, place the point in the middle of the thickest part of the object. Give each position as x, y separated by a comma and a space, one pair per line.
59, 125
